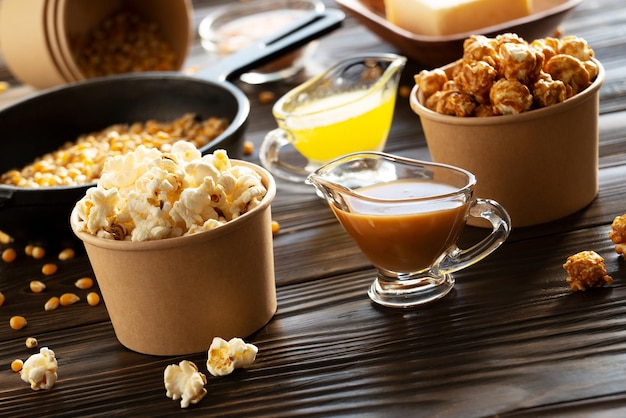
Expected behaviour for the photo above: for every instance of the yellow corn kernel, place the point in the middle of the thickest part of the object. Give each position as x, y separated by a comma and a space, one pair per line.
31, 342
28, 250
16, 365
38, 252
49, 269
5, 238
404, 91
1, 298
9, 255
66, 254
52, 304
275, 227
266, 97
67, 299
17, 322
93, 298
248, 148
84, 283
36, 286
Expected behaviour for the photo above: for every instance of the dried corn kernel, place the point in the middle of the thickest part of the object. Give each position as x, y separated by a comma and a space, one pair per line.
1, 298
248, 148
66, 254
404, 91
16, 365
5, 238
84, 283
38, 252
93, 299
67, 299
28, 250
9, 255
52, 303
275, 227
36, 286
267, 96
17, 322
49, 269
31, 342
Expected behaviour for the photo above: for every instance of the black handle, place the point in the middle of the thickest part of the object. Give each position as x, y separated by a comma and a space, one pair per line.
304, 30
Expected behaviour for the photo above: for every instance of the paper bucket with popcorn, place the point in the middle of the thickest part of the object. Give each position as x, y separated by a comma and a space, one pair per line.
172, 296
540, 164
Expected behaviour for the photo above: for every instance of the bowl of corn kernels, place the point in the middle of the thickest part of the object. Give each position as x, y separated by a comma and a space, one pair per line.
523, 117
73, 40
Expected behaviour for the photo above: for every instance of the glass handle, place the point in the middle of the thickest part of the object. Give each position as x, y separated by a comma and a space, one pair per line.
269, 154
457, 258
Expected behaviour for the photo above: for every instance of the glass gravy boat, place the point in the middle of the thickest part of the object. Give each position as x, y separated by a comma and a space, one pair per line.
406, 217
347, 108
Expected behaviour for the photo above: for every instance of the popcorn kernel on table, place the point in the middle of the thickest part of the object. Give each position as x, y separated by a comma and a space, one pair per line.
17, 322
49, 269
9, 255
84, 283
31, 342
37, 286
586, 269
67, 299
52, 304
66, 254
93, 299
40, 369
2, 298
16, 365
224, 356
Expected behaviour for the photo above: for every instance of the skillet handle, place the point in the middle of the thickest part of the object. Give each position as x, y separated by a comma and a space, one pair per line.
304, 30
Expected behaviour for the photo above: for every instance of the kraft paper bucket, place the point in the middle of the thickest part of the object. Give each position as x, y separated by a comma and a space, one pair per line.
172, 296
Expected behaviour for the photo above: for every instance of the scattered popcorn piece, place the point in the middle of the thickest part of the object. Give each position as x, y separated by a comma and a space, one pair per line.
40, 370
226, 356
618, 234
586, 269
148, 194
31, 342
184, 382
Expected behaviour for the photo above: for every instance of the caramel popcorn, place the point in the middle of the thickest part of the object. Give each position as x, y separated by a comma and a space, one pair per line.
148, 194
226, 356
40, 370
184, 382
586, 269
506, 75
618, 234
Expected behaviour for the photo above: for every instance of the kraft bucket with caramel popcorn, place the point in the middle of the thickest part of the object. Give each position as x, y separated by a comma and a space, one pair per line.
540, 164
172, 296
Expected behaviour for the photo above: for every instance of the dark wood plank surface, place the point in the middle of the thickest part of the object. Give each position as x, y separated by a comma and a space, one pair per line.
511, 340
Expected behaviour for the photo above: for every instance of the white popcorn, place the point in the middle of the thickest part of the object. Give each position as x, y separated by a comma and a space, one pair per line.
226, 356
40, 370
148, 194
184, 382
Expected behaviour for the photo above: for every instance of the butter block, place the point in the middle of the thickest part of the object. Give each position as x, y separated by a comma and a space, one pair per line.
447, 17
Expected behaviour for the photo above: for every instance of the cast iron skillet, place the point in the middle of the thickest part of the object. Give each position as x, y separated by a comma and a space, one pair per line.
41, 123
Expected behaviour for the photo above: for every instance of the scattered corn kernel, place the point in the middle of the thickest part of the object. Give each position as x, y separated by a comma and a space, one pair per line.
84, 283
68, 299
17, 322
9, 255
66, 254
275, 227
49, 269
38, 252
267, 96
52, 304
31, 342
28, 250
5, 238
404, 91
93, 298
248, 148
1, 298
16, 365
36, 286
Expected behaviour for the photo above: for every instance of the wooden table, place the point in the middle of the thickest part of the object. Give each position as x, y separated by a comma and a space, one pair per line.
512, 339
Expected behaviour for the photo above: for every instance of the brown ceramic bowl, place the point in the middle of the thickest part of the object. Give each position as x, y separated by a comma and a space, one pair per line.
172, 296
434, 51
541, 165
